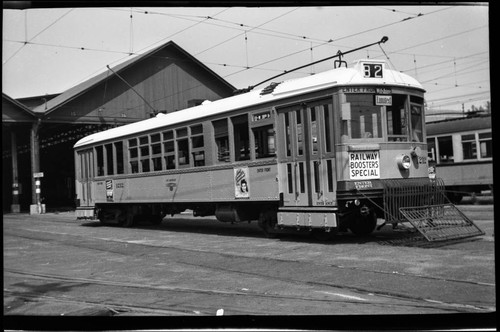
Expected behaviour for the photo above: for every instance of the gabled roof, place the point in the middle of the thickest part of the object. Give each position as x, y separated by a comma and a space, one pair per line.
81, 88
25, 111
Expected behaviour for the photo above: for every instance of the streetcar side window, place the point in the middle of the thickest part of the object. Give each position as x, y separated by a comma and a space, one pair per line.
445, 148
329, 126
119, 157
469, 146
397, 124
100, 160
182, 147
264, 142
133, 155
485, 146
156, 152
197, 145
431, 148
241, 138
221, 134
417, 120
109, 159
169, 149
144, 153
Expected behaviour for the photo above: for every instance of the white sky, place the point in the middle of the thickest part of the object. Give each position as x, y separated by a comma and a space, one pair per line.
445, 47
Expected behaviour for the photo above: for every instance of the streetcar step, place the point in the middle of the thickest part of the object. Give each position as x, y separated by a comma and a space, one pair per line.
441, 222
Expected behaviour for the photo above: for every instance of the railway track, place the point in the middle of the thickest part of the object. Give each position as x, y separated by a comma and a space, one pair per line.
318, 292
111, 308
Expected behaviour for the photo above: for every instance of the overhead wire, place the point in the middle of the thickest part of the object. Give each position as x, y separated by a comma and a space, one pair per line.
26, 41
207, 19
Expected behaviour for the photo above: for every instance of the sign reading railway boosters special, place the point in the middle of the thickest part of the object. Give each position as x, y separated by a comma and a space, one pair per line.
364, 165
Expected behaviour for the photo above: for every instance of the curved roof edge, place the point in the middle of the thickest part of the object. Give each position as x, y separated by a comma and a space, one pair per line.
289, 88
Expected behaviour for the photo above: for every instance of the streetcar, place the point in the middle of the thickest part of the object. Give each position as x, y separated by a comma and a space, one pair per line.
328, 153
460, 153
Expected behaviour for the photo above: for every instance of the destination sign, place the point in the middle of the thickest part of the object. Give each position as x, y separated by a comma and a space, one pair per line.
362, 89
383, 100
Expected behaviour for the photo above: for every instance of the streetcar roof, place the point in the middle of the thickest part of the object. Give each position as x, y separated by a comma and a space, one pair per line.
336, 77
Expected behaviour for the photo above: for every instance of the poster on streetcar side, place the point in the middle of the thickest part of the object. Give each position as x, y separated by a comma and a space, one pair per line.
241, 183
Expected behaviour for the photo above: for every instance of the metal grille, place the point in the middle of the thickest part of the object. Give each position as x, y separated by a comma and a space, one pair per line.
422, 202
441, 222
402, 193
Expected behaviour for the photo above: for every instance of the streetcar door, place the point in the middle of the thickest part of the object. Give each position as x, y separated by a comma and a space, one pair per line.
87, 174
322, 174
308, 176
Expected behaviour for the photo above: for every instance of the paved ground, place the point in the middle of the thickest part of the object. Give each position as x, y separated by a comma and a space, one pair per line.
192, 267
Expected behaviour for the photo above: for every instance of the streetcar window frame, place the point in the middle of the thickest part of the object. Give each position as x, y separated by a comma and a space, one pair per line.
488, 144
241, 137
197, 144
221, 140
351, 128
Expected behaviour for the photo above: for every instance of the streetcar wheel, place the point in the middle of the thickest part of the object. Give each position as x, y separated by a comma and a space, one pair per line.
267, 223
363, 225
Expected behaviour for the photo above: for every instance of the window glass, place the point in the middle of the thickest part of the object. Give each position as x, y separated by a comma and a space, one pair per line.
221, 134
155, 138
469, 146
199, 158
264, 142
416, 123
288, 133
119, 157
168, 135
156, 149
109, 159
360, 118
183, 151
300, 133
197, 142
134, 166
144, 151
156, 163
145, 165
196, 130
182, 132
328, 118
241, 138
445, 146
100, 160
431, 148
397, 124
170, 161
314, 130
485, 145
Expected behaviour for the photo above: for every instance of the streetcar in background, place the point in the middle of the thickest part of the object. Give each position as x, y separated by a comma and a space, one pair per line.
329, 153
460, 153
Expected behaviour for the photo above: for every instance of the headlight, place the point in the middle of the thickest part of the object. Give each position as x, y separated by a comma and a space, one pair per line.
404, 161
